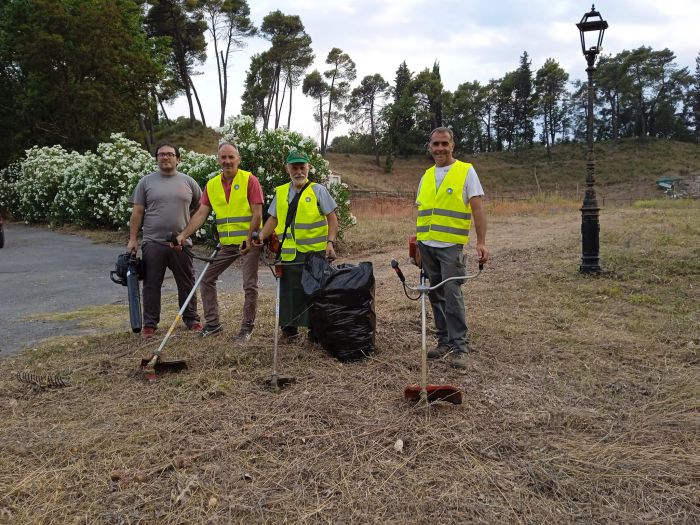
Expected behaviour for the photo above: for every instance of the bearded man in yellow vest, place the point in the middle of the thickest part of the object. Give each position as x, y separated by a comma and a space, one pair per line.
312, 230
449, 199
236, 197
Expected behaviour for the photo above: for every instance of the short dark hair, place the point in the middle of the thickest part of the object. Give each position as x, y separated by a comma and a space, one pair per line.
442, 129
169, 145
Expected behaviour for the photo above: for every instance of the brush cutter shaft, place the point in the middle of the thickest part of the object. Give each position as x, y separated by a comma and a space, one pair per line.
423, 348
156, 354
277, 322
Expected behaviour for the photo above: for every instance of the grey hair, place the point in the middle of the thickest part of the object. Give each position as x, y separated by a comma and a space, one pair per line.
222, 144
443, 129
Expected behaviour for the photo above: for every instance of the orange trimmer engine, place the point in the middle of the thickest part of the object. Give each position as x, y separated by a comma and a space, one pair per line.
413, 250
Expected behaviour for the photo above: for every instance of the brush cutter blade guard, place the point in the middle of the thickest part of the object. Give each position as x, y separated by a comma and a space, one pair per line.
163, 367
448, 393
278, 382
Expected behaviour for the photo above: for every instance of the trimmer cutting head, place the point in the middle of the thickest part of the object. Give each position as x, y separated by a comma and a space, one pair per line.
278, 382
448, 393
161, 367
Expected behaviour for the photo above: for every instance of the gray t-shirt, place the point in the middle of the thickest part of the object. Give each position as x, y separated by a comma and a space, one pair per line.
169, 201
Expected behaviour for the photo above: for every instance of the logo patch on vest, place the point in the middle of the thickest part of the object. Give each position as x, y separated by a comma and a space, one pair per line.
308, 199
449, 191
236, 186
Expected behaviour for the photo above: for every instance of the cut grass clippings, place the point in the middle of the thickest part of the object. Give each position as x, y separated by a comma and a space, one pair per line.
581, 402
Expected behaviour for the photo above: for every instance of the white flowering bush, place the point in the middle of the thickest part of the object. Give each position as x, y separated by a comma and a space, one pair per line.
97, 189
200, 167
264, 154
9, 199
94, 189
43, 174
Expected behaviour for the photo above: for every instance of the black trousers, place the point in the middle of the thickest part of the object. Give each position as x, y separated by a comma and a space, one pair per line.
156, 258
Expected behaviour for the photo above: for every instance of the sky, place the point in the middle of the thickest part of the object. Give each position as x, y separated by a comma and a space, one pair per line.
471, 40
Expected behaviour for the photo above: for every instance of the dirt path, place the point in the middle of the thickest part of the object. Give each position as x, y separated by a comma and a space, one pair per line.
44, 272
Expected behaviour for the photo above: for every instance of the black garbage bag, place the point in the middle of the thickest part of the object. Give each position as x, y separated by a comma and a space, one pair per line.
341, 313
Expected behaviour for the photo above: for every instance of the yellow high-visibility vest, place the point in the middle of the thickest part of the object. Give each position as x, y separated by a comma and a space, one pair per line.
442, 215
310, 228
232, 217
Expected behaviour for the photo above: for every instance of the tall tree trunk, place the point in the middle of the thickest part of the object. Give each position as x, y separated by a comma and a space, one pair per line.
320, 120
373, 131
223, 91
199, 104
147, 132
289, 115
162, 108
278, 107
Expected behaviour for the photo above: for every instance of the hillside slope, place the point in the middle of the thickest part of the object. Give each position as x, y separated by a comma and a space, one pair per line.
626, 167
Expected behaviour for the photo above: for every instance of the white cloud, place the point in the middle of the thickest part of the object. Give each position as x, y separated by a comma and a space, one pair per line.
472, 40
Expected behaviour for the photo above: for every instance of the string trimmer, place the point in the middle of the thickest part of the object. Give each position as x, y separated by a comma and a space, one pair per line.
153, 366
425, 393
272, 248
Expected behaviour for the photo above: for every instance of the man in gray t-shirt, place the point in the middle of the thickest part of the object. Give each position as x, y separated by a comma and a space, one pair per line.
163, 202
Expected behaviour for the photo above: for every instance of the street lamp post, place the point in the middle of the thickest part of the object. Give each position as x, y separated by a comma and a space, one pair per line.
591, 27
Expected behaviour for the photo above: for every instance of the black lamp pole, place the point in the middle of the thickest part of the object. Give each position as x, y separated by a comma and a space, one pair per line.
593, 24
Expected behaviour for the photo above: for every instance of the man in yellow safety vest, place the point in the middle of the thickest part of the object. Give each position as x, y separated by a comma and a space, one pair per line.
236, 197
449, 198
311, 228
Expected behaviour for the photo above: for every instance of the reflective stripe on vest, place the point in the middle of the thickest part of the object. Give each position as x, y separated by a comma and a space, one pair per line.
442, 215
232, 217
309, 231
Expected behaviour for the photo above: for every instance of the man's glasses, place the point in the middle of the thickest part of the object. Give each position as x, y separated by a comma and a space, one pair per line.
166, 155
438, 143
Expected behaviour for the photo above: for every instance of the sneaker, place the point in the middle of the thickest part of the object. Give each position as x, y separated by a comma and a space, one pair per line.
244, 335
148, 332
439, 351
195, 327
459, 360
210, 330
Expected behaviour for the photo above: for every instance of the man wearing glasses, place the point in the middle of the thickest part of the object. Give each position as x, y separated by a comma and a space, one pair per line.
163, 203
449, 199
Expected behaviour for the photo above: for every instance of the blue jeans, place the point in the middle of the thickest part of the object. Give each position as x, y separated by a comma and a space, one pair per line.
447, 301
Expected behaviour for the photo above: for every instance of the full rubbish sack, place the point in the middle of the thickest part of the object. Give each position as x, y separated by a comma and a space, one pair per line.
341, 313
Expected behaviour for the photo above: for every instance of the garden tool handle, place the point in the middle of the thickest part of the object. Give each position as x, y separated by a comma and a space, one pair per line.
395, 266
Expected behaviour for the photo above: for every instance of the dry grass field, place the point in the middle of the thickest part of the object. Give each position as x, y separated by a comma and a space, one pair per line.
625, 170
581, 401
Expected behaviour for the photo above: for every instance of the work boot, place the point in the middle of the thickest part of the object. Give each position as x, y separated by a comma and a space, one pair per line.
459, 360
244, 335
212, 330
148, 332
442, 349
289, 333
